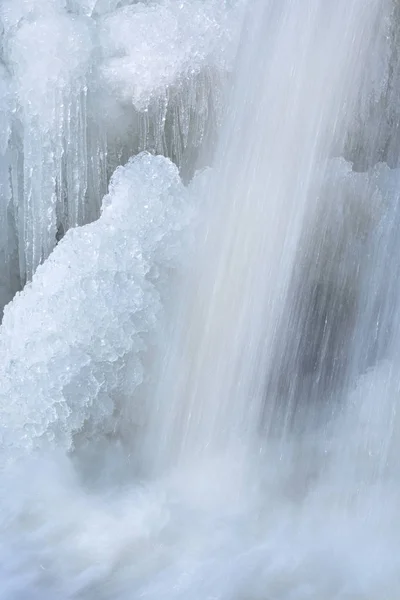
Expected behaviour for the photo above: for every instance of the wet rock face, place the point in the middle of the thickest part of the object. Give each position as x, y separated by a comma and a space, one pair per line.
315, 365
325, 329
315, 355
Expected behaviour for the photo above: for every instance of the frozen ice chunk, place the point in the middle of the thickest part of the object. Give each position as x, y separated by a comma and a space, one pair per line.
44, 47
171, 39
65, 339
162, 88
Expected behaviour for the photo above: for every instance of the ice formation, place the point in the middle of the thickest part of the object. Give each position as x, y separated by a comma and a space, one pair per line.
80, 94
66, 339
140, 456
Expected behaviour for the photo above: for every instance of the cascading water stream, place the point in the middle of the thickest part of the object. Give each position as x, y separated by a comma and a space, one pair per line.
199, 389
294, 98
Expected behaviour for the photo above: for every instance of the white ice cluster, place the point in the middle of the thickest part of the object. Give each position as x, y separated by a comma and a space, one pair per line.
86, 84
66, 339
138, 66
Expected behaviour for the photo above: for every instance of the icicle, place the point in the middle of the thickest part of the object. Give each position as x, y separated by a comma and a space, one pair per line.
48, 51
76, 155
8, 285
97, 170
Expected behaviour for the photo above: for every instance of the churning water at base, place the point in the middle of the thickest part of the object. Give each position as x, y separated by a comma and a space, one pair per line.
199, 390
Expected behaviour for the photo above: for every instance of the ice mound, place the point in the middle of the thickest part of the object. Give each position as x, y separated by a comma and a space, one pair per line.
66, 338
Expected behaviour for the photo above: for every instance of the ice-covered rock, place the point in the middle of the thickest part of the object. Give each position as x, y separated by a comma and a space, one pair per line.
65, 339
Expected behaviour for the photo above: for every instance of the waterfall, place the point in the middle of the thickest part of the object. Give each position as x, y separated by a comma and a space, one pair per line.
199, 281
294, 99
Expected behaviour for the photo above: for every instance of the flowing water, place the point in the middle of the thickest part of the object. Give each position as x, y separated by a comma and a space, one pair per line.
199, 368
